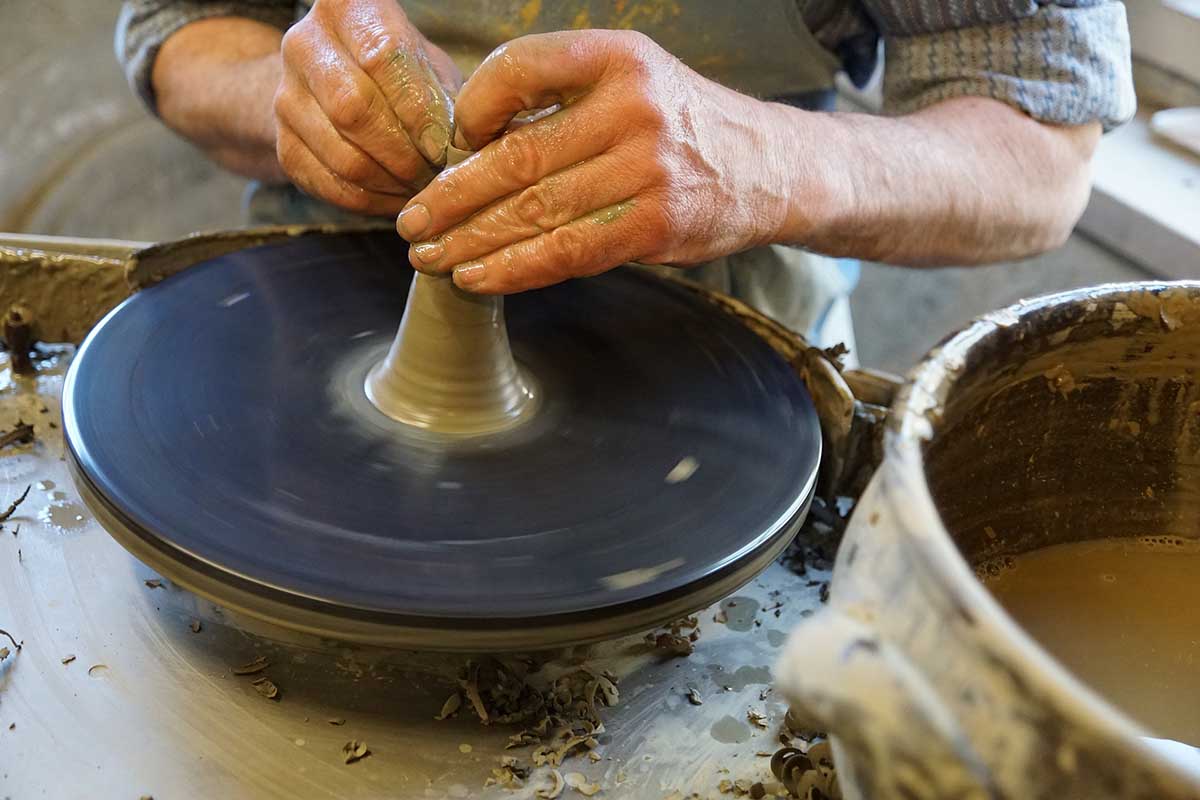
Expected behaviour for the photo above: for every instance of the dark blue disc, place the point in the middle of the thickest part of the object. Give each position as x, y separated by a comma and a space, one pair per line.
218, 415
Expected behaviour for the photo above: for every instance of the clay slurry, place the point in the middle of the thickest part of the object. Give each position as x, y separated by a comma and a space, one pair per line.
1120, 614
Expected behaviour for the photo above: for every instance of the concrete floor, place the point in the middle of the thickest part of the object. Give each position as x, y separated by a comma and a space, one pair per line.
79, 156
900, 314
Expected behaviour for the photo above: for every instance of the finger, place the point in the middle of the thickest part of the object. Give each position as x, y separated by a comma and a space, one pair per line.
554, 201
529, 73
315, 180
353, 104
600, 241
515, 161
381, 40
301, 113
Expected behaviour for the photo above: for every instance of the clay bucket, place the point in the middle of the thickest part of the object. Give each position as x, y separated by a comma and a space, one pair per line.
1040, 424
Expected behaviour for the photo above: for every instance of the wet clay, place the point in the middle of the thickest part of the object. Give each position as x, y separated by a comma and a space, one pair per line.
65, 293
1121, 615
450, 369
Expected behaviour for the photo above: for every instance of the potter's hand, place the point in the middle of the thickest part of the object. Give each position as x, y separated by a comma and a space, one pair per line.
646, 161
362, 110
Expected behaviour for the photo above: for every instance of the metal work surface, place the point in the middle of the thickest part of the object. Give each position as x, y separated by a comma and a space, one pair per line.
149, 707
218, 419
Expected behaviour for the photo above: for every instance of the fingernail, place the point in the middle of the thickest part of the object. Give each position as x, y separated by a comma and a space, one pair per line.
432, 142
460, 141
429, 252
413, 221
469, 275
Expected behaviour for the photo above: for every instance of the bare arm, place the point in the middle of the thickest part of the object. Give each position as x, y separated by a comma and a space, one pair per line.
966, 181
214, 80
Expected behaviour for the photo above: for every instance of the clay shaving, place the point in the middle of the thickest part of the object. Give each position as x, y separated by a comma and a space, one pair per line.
738, 788
15, 504
21, 434
744, 788
672, 641
554, 789
257, 665
808, 774
509, 775
506, 692
354, 750
450, 707
265, 688
579, 782
554, 754
561, 715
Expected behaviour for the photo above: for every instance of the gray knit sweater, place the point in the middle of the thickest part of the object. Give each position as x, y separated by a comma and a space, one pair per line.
1061, 61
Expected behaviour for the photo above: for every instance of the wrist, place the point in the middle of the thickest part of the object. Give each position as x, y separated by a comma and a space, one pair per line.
805, 154
256, 126
765, 190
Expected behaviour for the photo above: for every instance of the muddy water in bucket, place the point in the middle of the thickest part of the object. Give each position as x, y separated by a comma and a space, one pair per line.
1122, 615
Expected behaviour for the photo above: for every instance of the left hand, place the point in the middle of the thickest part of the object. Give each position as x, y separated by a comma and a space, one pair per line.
645, 161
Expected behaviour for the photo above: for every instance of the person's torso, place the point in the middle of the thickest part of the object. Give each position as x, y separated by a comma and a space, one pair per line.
760, 47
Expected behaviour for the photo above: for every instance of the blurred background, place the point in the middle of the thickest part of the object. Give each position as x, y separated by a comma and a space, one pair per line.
80, 157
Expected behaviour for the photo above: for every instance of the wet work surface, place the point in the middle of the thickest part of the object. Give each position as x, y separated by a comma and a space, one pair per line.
126, 686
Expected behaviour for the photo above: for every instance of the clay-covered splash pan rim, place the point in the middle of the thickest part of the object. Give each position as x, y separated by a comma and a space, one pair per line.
96, 275
1031, 327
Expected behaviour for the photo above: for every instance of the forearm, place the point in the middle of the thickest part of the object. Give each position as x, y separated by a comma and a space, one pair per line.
215, 81
965, 181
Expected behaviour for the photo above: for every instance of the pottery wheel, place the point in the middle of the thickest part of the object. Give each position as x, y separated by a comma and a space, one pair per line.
217, 424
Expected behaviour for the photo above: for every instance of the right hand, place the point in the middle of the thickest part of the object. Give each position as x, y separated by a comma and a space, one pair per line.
363, 109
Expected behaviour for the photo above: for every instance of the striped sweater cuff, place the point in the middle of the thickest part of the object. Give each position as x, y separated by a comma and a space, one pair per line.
1062, 65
